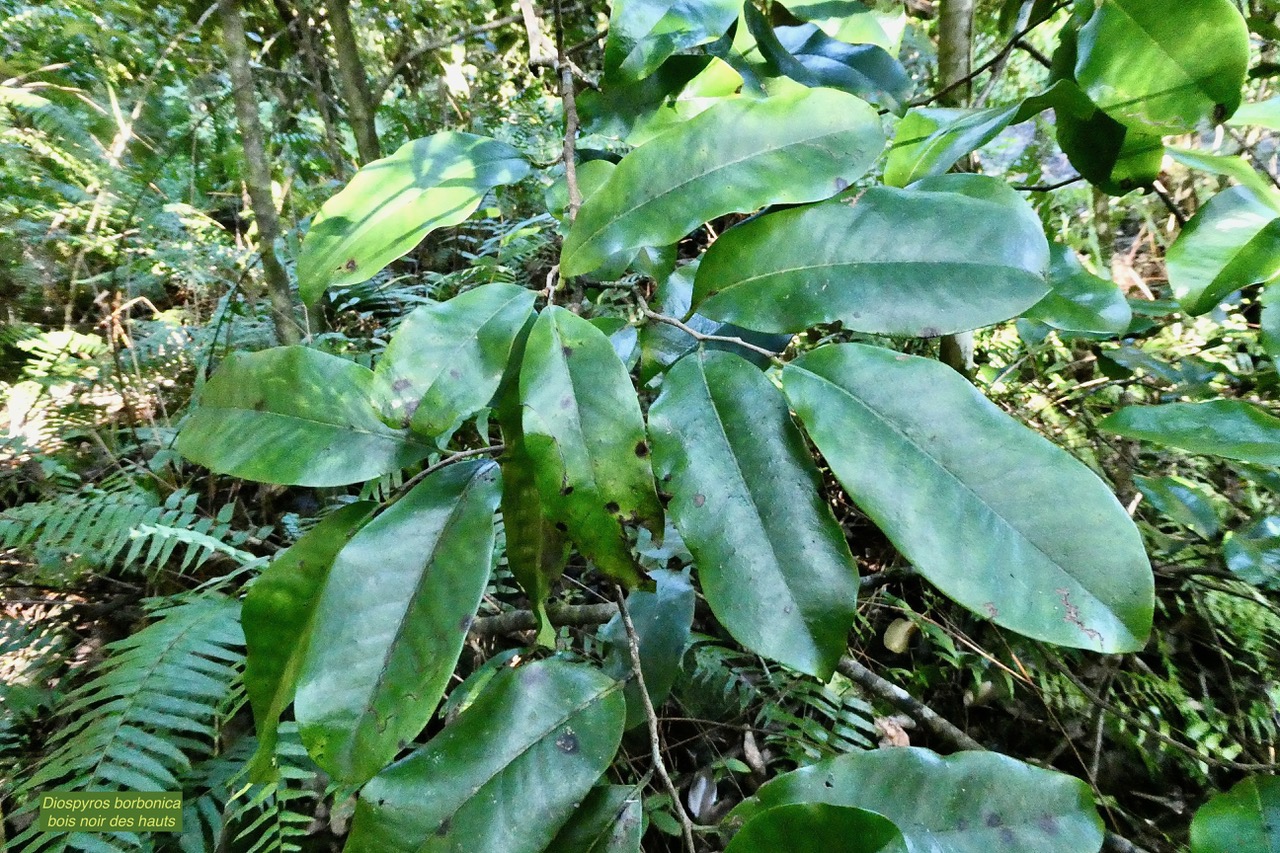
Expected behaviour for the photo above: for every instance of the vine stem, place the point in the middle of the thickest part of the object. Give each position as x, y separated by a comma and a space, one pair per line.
655, 739
448, 460
650, 314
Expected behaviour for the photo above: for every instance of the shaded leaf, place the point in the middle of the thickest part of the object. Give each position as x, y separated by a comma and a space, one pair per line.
771, 559
1161, 73
278, 617
1185, 502
608, 821
532, 745
947, 254
662, 620
734, 157
394, 614
817, 828
294, 416
1232, 241
1232, 429
970, 802
392, 203
1080, 301
1232, 166
1253, 552
585, 435
1245, 818
643, 33
446, 360
972, 498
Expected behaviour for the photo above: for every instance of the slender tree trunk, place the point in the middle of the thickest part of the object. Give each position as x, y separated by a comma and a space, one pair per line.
355, 85
256, 175
955, 61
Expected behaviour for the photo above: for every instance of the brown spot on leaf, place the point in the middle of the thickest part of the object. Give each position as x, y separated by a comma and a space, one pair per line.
567, 742
611, 507
444, 827
350, 265
562, 527
566, 491
455, 373
401, 385
699, 499
642, 449
994, 820
1047, 824
566, 351
990, 609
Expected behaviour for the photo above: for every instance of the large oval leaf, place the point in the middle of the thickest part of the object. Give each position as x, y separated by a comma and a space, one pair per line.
971, 802
643, 33
393, 615
1233, 429
585, 435
1231, 242
772, 561
735, 157
946, 255
974, 499
446, 360
294, 416
1245, 818
1164, 73
278, 617
506, 774
392, 203
817, 828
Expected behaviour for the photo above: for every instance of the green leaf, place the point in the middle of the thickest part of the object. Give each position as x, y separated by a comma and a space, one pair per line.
1187, 503
852, 22
929, 140
608, 821
771, 559
1245, 818
1253, 552
1232, 166
734, 157
1080, 301
973, 499
817, 828
643, 33
812, 58
1231, 242
1164, 73
1269, 324
1232, 429
446, 360
585, 435
278, 617
947, 254
1261, 114
506, 775
1114, 158
392, 203
394, 614
970, 802
297, 417
662, 620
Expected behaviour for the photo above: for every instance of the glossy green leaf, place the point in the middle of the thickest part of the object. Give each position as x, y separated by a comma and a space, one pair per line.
817, 828
278, 617
1232, 429
929, 140
852, 22
1269, 324
643, 33
735, 157
1164, 73
506, 775
1253, 552
812, 58
392, 203
585, 435
1236, 167
662, 620
1261, 114
947, 254
771, 559
1231, 242
1245, 818
1114, 158
394, 614
1080, 301
294, 416
970, 802
446, 360
1185, 502
608, 821
972, 498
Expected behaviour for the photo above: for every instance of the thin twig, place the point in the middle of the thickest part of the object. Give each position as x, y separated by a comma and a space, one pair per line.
432, 46
650, 314
1169, 203
1044, 188
495, 449
655, 739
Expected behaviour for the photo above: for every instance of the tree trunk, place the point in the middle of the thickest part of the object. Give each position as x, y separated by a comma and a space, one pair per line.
256, 175
355, 85
955, 45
